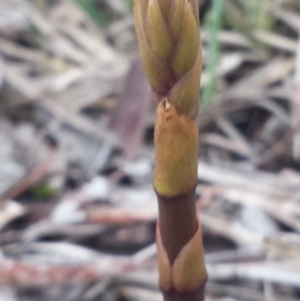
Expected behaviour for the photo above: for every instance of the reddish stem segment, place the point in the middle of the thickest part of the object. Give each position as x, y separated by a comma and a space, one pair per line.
178, 221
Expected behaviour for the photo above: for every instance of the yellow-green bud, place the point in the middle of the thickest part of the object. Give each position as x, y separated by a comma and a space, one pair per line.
169, 43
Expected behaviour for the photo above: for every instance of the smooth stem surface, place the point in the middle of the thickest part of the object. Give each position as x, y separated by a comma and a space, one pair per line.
178, 223
189, 296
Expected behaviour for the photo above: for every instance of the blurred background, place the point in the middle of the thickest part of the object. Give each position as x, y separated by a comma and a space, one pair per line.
77, 208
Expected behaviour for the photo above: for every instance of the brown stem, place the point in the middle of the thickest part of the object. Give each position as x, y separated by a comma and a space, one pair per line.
177, 226
178, 221
197, 295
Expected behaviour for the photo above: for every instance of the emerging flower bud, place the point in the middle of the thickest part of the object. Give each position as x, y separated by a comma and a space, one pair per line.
169, 43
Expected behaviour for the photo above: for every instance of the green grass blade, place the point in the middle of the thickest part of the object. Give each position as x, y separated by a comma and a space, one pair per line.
213, 24
99, 17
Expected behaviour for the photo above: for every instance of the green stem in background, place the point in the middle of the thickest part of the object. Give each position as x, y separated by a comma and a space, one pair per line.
247, 17
98, 16
258, 13
213, 24
129, 4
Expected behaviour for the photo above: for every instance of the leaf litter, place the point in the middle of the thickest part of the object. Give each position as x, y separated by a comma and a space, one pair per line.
78, 211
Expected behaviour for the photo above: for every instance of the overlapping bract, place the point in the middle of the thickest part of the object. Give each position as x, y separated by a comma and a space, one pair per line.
169, 43
176, 154
188, 270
